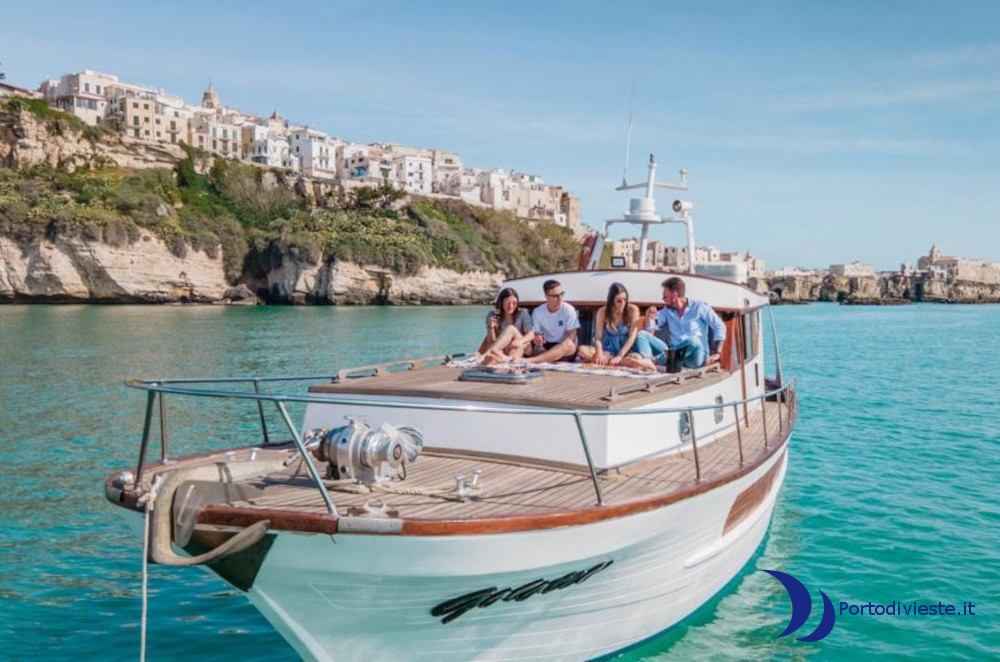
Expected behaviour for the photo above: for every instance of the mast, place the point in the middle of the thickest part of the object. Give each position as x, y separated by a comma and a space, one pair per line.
642, 212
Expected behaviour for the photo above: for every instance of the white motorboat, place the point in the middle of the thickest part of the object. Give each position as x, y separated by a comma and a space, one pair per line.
432, 509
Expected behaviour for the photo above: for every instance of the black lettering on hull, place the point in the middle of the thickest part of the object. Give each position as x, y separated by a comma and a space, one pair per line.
455, 607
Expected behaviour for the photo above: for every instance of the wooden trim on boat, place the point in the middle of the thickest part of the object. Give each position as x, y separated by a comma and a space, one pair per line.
753, 496
283, 520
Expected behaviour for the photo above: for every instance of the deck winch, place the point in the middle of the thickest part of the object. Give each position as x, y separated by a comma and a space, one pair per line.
356, 451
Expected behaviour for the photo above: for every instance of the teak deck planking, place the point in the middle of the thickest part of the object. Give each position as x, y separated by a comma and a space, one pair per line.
510, 489
555, 389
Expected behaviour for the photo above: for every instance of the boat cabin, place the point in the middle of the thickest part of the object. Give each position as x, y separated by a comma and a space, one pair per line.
569, 400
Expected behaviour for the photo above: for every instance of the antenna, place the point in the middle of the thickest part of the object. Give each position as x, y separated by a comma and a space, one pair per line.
628, 135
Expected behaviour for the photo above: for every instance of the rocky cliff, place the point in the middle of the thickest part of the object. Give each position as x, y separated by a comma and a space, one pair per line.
146, 271
28, 138
350, 283
59, 249
73, 269
877, 289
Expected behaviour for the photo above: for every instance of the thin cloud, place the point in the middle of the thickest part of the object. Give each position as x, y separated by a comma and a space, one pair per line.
828, 145
959, 57
882, 99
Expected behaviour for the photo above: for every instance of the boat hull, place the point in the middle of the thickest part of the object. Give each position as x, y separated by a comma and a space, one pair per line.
566, 593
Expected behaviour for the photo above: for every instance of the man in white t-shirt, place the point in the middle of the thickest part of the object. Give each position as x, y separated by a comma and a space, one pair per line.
555, 325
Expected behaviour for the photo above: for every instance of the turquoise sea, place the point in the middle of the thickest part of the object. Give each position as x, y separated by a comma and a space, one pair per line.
892, 493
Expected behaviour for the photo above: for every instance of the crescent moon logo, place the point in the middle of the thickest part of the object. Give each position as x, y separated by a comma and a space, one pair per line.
802, 607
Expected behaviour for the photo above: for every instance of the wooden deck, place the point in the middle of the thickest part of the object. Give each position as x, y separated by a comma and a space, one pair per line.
512, 489
558, 390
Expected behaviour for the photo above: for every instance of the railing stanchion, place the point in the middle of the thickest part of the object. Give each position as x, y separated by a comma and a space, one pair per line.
163, 428
310, 467
781, 426
739, 432
694, 444
150, 398
763, 415
590, 461
260, 409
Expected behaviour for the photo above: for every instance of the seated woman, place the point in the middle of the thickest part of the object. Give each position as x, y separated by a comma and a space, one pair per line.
508, 329
615, 331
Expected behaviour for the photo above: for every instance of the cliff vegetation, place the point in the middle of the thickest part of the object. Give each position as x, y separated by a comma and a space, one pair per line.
255, 219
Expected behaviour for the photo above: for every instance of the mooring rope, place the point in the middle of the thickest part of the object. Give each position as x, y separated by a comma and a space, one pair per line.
145, 588
149, 500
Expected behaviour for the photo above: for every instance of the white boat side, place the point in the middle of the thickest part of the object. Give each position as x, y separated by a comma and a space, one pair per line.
371, 598
614, 439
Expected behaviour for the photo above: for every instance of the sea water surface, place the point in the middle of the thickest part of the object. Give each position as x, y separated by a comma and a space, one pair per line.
892, 491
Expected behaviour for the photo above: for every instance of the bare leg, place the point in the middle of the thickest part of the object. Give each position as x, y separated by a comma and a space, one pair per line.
638, 362
509, 336
587, 353
554, 353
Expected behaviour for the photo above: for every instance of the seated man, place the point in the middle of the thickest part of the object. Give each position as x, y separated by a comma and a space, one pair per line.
687, 322
554, 324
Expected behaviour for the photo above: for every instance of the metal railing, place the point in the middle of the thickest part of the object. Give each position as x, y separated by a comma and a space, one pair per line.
784, 395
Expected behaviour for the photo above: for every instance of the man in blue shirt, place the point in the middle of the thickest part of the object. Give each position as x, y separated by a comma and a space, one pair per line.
688, 322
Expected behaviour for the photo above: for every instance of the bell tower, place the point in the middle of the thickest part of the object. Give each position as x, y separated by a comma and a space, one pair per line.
210, 99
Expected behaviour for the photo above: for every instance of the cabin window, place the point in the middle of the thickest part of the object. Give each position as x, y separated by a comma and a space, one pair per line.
749, 326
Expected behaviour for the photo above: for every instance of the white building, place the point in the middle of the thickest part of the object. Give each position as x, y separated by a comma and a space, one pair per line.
463, 184
494, 187
316, 151
790, 272
414, 173
171, 119
755, 265
153, 115
628, 249
366, 165
445, 166
82, 94
264, 147
676, 257
854, 269
212, 134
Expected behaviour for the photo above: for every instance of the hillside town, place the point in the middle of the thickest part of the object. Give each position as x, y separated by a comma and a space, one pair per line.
154, 115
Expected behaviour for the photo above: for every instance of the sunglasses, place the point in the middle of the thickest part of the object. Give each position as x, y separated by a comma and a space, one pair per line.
556, 295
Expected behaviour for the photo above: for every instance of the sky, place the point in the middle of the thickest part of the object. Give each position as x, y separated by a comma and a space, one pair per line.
813, 132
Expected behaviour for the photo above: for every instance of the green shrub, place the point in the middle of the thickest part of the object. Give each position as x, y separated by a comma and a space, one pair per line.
254, 202
15, 212
254, 218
